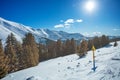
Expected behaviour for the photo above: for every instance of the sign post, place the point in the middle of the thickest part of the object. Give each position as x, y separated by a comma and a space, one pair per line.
94, 68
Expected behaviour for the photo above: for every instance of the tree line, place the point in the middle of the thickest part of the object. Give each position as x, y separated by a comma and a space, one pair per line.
16, 56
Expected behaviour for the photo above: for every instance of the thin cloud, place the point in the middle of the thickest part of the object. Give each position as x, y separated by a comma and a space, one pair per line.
92, 34
59, 26
79, 20
116, 29
97, 33
67, 25
69, 21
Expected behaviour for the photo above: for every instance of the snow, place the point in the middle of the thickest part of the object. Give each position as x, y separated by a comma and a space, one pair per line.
71, 68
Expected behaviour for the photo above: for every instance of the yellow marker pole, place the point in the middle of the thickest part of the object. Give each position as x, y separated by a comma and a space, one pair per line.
93, 49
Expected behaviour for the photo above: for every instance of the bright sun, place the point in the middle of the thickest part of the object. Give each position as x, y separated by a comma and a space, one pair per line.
90, 6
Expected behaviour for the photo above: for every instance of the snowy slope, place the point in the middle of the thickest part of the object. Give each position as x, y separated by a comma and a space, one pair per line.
72, 68
19, 30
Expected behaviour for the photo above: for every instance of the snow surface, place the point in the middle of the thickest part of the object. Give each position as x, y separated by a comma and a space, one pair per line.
72, 68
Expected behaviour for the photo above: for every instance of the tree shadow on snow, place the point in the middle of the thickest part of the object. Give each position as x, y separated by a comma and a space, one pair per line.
109, 45
80, 57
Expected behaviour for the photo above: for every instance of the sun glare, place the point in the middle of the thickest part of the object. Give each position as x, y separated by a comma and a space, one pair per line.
90, 6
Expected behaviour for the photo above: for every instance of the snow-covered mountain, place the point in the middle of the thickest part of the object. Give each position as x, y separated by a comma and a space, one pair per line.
19, 30
71, 68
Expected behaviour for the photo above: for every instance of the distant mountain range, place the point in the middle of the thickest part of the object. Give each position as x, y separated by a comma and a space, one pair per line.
19, 30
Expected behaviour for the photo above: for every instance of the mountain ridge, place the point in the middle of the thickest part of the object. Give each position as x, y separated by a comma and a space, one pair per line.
19, 30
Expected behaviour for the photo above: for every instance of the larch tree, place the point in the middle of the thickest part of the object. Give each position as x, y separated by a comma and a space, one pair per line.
83, 48
18, 51
96, 42
59, 49
30, 50
51, 50
73, 46
90, 44
20, 56
43, 52
3, 62
67, 47
104, 40
10, 52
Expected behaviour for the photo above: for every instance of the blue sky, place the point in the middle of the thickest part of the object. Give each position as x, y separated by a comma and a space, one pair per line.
65, 15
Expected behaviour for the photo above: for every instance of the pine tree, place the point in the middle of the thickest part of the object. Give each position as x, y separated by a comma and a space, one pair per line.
30, 50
